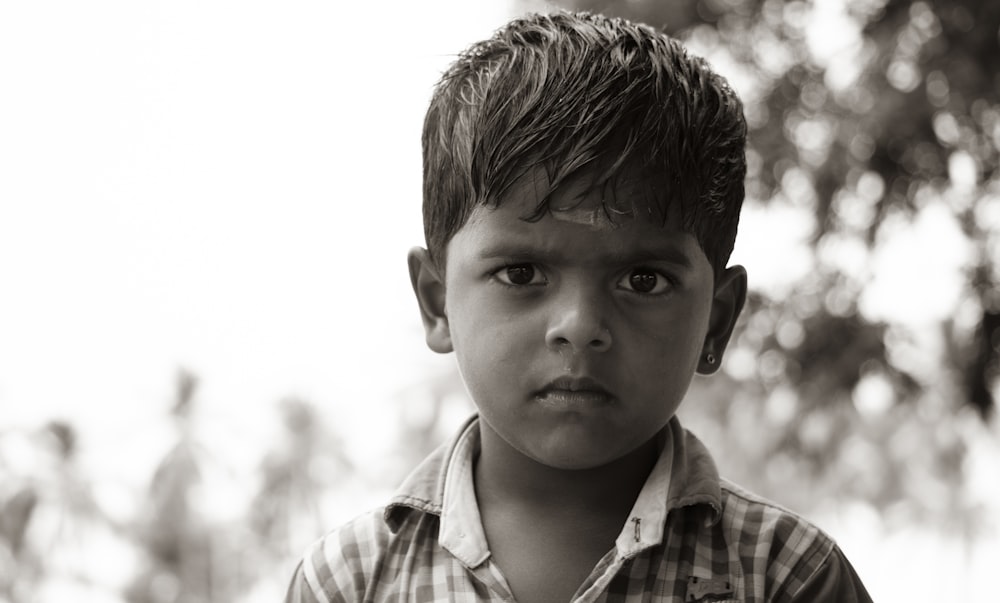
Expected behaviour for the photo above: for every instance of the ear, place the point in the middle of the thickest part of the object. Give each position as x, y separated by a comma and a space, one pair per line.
727, 303
429, 287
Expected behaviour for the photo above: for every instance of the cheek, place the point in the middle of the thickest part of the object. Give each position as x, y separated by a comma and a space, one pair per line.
487, 333
667, 346
491, 359
673, 325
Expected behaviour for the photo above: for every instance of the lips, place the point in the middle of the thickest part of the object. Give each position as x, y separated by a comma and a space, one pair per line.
573, 393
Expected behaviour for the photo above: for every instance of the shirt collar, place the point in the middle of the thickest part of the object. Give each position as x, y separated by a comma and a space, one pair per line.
683, 476
443, 485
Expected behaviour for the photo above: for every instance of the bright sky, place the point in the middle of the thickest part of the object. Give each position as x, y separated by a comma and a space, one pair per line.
225, 186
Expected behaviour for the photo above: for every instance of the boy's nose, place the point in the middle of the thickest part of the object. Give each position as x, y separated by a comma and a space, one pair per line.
578, 325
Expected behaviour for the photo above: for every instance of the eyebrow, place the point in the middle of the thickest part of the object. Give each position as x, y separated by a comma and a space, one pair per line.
519, 251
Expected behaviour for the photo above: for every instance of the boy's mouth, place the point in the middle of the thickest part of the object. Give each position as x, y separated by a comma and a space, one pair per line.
573, 392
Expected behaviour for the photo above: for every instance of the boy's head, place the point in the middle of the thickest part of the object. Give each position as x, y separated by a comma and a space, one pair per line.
572, 92
583, 178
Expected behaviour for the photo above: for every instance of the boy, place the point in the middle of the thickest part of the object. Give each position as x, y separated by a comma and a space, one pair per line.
583, 178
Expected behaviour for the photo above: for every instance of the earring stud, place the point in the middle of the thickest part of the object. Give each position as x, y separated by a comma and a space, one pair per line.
710, 358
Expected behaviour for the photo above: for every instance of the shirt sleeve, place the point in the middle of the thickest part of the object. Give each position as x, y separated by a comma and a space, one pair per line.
834, 582
299, 590
339, 567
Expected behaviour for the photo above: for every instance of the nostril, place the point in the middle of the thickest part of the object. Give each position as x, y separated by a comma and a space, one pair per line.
599, 344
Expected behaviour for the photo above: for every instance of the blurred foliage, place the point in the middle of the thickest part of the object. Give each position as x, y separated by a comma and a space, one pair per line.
50, 519
190, 537
863, 114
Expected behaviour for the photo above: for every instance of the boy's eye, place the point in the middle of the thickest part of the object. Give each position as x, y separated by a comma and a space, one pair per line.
519, 274
644, 280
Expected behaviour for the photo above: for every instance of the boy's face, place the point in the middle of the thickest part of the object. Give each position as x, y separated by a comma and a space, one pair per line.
576, 337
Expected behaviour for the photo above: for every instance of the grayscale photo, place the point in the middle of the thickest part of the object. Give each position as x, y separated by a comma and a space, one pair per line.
529, 301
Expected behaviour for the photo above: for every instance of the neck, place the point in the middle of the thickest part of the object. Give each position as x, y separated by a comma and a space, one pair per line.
505, 475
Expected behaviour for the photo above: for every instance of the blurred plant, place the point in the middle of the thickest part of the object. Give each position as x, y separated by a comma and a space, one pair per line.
869, 120
190, 555
18, 500
192, 541
196, 551
15, 513
50, 521
286, 512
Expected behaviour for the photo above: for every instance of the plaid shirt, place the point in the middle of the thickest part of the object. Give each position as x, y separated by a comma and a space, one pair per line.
690, 537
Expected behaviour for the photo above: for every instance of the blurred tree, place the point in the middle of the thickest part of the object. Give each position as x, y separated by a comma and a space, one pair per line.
191, 555
868, 116
18, 500
50, 519
286, 512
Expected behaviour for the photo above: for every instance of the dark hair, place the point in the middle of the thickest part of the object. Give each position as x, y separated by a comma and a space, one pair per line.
568, 91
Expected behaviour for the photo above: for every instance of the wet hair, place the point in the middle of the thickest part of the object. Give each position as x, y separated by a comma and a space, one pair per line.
569, 92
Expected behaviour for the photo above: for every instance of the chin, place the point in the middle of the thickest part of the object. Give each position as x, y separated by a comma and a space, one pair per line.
574, 460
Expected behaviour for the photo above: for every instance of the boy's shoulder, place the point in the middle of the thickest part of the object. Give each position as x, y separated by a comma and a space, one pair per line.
789, 554
754, 516
758, 527
345, 560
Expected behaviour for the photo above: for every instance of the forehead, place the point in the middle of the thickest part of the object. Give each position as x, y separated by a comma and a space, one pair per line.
579, 221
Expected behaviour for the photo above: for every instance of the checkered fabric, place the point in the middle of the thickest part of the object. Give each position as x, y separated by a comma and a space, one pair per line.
691, 537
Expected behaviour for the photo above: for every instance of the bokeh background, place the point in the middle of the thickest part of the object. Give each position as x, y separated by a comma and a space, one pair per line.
209, 354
